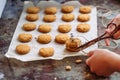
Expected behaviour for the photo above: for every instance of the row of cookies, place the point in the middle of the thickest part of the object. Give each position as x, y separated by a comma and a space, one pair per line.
43, 38
65, 17
64, 9
63, 28
23, 49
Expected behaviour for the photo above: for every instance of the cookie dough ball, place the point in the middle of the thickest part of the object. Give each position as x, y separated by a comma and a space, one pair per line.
49, 18
67, 9
72, 44
61, 38
85, 9
32, 10
44, 38
83, 27
51, 10
32, 17
68, 17
44, 28
46, 52
64, 28
83, 17
29, 26
22, 49
24, 37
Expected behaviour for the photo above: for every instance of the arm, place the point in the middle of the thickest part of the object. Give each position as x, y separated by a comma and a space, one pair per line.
103, 62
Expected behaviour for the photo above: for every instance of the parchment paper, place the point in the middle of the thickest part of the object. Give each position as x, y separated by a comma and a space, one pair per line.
60, 51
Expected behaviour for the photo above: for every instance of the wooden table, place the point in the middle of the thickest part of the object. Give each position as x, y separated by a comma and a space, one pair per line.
12, 69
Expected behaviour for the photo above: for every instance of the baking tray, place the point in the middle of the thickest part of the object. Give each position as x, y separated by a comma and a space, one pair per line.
60, 51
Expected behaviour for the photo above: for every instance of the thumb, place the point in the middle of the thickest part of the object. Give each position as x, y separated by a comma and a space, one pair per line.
88, 61
90, 53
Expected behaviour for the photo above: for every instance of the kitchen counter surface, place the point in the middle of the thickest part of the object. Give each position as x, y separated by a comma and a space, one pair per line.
12, 69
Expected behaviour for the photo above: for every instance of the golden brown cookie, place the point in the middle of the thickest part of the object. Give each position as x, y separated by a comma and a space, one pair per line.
32, 17
85, 9
64, 28
49, 18
24, 37
46, 52
32, 10
68, 17
72, 44
83, 27
29, 26
61, 38
51, 10
67, 9
44, 38
83, 17
44, 28
22, 49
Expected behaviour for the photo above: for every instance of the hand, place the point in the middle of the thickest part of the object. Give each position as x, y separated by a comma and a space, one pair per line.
103, 62
116, 20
